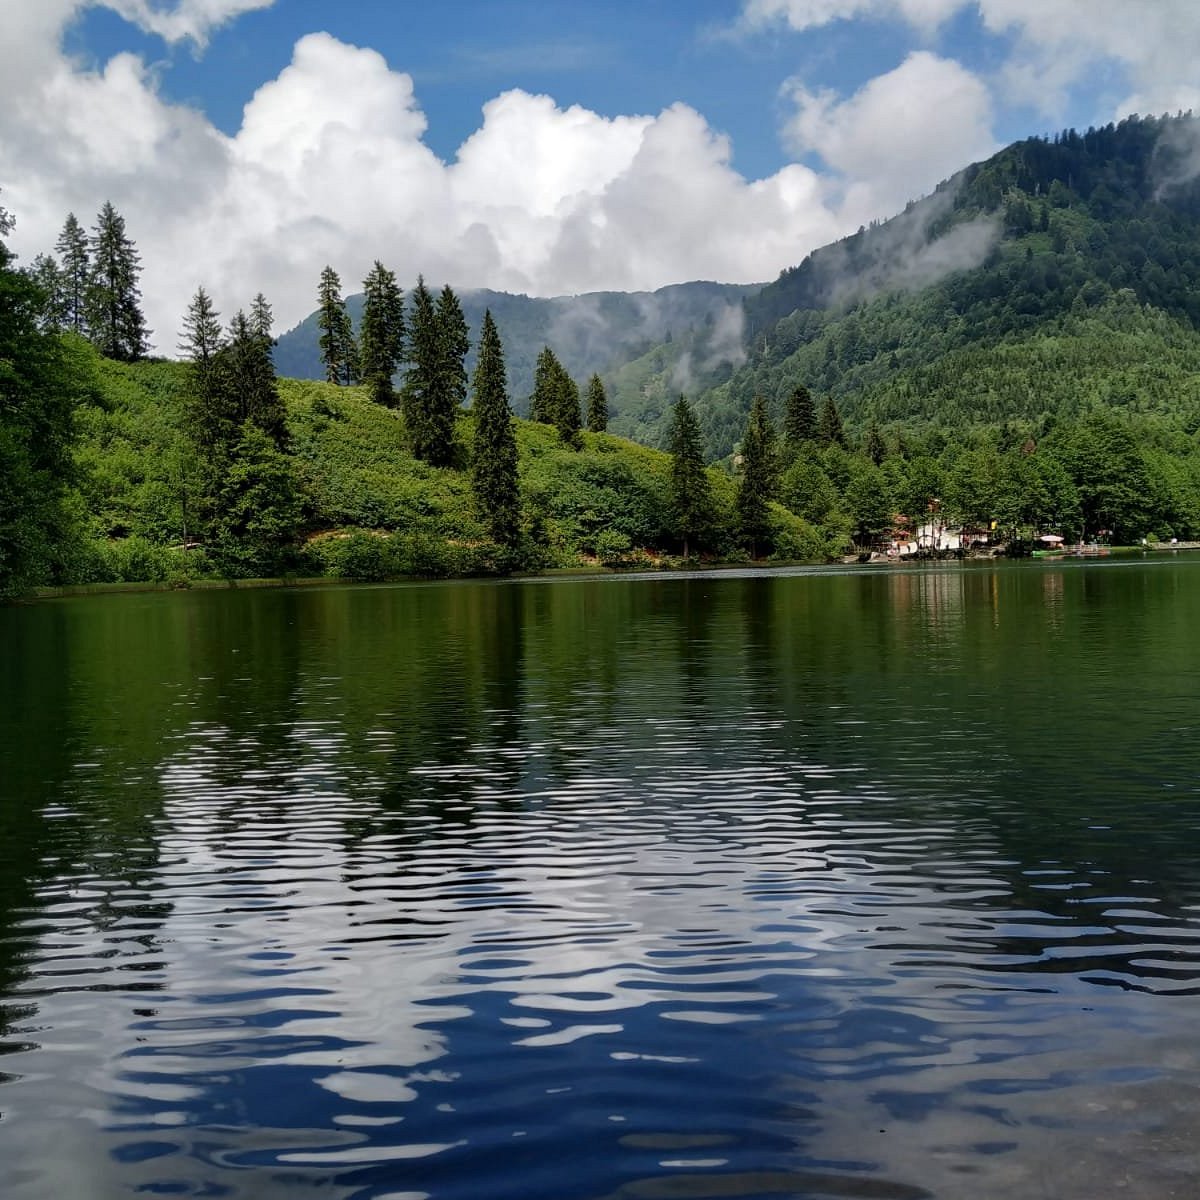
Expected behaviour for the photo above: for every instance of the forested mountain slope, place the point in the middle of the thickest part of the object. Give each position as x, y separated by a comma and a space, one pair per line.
589, 333
1061, 273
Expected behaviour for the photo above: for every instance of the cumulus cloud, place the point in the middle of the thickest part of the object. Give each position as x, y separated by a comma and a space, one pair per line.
1155, 46
329, 165
192, 20
1056, 46
899, 135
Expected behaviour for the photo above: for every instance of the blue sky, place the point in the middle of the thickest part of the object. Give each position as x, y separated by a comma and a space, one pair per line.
538, 147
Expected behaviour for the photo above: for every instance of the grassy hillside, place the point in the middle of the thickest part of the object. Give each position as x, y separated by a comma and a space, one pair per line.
368, 509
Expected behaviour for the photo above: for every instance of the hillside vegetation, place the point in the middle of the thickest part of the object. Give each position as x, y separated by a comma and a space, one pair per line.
1059, 276
369, 510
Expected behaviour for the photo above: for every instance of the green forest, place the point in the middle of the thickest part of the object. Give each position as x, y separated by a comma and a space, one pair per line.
1044, 379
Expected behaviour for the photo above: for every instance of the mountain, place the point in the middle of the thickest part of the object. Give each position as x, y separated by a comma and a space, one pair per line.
589, 333
1059, 275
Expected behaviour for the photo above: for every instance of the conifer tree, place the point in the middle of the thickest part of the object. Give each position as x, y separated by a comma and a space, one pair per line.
546, 373
597, 405
691, 496
419, 386
337, 335
567, 416
47, 275
113, 312
72, 251
829, 425
494, 459
450, 377
262, 319
202, 337
381, 336
799, 419
756, 488
38, 387
873, 444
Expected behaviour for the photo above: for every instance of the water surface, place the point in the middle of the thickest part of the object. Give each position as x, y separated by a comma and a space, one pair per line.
833, 884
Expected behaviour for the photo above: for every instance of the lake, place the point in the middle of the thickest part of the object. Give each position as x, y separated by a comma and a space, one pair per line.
877, 883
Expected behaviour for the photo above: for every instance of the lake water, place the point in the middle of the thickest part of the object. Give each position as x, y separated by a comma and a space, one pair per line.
874, 883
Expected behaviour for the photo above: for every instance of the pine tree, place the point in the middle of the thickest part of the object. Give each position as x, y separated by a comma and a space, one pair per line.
691, 496
248, 499
873, 444
337, 335
545, 387
757, 485
38, 386
72, 251
829, 426
381, 335
567, 416
47, 275
799, 420
262, 320
494, 459
113, 311
202, 337
450, 379
597, 406
419, 386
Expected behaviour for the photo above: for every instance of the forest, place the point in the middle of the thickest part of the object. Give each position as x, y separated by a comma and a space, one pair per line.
1051, 386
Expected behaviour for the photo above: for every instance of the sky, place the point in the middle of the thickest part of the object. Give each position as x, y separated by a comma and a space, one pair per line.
541, 146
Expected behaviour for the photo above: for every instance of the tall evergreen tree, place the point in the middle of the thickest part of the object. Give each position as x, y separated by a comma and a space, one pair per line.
419, 385
248, 500
76, 267
381, 335
597, 405
543, 402
494, 459
113, 312
829, 425
756, 488
799, 420
262, 320
691, 496
874, 446
337, 334
567, 415
450, 380
47, 275
202, 337
37, 385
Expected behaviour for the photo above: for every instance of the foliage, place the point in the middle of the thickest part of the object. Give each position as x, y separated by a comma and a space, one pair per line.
113, 303
494, 457
41, 377
597, 405
381, 335
338, 351
756, 488
691, 494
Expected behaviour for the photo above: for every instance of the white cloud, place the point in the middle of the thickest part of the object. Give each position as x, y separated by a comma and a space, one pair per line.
1156, 45
802, 15
898, 136
329, 166
1059, 45
187, 19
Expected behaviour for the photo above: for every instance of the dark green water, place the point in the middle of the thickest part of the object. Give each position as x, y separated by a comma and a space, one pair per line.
844, 884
